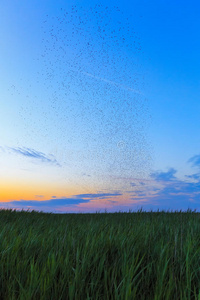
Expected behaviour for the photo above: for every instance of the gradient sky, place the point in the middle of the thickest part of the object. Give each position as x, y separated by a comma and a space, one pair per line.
99, 105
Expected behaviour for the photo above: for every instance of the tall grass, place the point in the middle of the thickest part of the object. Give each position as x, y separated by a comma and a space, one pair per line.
124, 256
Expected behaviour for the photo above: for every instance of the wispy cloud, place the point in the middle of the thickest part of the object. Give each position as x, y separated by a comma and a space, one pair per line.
2, 149
133, 184
56, 203
164, 176
194, 176
195, 161
49, 203
178, 195
31, 153
166, 191
99, 195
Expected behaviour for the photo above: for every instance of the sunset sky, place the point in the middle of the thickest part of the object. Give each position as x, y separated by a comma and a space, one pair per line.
99, 105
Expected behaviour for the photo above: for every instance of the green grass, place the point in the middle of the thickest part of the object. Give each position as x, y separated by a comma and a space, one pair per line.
99, 256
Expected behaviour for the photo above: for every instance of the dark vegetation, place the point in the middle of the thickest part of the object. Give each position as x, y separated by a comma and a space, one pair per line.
154, 255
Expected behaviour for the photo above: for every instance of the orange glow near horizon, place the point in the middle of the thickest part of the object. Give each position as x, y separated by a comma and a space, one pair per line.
10, 191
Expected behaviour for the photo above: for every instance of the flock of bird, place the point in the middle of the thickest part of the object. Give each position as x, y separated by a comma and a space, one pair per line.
91, 68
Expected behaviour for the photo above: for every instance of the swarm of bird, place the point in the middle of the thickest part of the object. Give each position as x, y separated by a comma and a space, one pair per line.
91, 70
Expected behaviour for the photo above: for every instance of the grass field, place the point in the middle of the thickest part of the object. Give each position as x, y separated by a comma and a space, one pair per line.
99, 256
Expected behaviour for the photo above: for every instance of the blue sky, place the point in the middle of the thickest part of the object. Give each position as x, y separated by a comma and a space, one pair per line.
102, 100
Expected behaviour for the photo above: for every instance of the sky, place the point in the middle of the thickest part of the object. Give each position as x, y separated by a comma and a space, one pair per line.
99, 105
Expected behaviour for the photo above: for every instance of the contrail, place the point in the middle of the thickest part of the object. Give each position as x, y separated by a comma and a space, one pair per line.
127, 88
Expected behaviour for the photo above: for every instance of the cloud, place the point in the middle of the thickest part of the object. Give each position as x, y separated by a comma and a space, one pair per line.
112, 201
133, 184
31, 153
195, 161
49, 203
164, 176
98, 195
57, 203
169, 194
194, 176
180, 195
2, 149
166, 191
139, 183
85, 174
